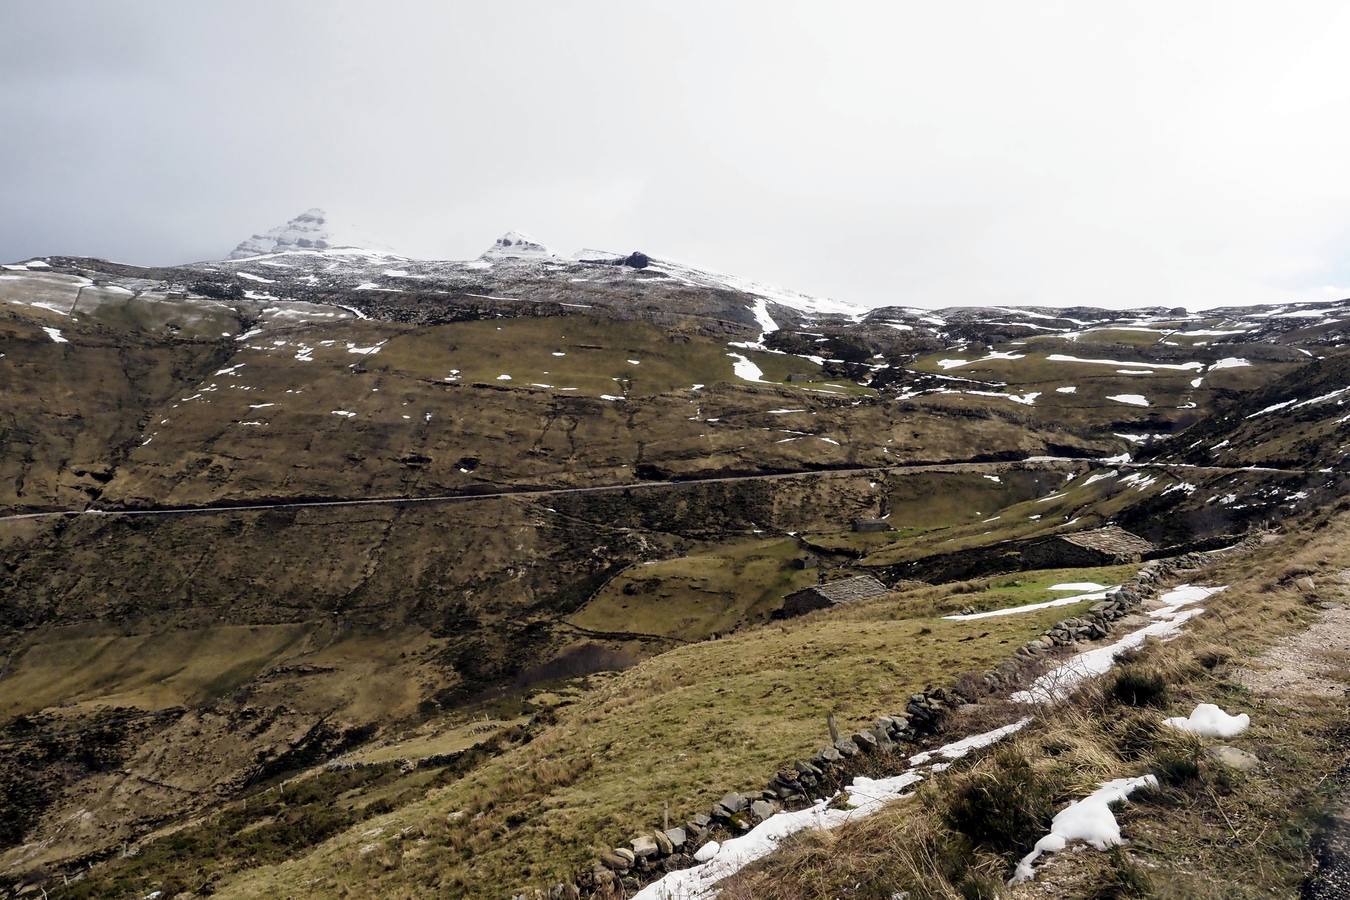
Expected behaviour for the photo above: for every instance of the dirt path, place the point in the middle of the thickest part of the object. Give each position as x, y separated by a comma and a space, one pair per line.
1316, 663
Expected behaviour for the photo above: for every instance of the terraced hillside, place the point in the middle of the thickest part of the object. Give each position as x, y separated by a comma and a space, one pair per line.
318, 545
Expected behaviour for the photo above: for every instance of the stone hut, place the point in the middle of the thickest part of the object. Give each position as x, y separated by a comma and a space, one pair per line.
1107, 546
833, 593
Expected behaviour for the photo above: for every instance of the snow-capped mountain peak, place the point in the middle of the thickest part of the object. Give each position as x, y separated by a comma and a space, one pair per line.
517, 243
313, 229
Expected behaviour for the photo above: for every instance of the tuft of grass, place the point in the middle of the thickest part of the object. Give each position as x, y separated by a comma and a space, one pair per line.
1004, 807
1124, 878
1138, 686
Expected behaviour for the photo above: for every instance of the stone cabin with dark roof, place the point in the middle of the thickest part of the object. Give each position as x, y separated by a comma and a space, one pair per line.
1106, 546
832, 593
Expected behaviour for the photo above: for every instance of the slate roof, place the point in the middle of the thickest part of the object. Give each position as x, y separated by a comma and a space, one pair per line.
1110, 539
846, 590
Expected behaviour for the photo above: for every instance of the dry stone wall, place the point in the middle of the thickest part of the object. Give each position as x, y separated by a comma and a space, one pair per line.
623, 869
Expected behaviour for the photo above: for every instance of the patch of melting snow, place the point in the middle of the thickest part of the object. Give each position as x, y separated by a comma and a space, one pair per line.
1208, 720
55, 335
992, 355
745, 369
1077, 586
1071, 389
957, 749
1031, 607
1089, 820
1229, 362
1183, 595
1100, 476
1130, 399
344, 413
1027, 399
1273, 408
1061, 357
1139, 480
993, 478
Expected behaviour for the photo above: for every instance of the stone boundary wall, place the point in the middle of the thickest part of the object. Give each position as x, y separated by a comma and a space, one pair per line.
623, 870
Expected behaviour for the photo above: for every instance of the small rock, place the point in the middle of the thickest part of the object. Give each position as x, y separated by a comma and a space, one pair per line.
1233, 758
663, 844
761, 809
707, 851
829, 756
732, 803
677, 837
644, 846
620, 859
805, 768
866, 741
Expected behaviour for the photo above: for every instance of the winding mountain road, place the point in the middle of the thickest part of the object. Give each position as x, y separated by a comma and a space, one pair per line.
540, 493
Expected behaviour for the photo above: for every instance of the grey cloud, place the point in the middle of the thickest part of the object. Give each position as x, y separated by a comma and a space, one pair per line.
880, 152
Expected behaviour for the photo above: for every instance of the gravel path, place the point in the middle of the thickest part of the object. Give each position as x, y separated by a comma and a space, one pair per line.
1316, 663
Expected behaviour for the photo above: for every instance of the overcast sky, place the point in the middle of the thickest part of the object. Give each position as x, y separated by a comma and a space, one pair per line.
893, 152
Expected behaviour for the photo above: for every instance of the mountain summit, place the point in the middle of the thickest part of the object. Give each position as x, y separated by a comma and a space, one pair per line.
517, 244
313, 229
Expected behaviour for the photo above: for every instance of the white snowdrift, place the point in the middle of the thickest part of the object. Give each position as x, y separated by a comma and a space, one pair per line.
1089, 820
1208, 720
